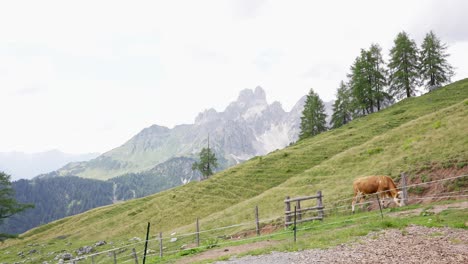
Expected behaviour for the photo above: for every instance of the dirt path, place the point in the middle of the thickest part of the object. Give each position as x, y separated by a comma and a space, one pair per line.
388, 246
415, 244
230, 250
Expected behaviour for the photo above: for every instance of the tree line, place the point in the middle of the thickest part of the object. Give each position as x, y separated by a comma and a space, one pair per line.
373, 84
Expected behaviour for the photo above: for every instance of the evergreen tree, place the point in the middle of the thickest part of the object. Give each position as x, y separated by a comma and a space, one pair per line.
8, 205
403, 66
359, 85
313, 116
377, 76
342, 111
207, 163
435, 70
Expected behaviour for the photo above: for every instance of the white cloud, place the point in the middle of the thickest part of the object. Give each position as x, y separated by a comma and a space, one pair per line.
85, 76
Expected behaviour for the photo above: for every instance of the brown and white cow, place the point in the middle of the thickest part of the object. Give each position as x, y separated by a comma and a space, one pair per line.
382, 185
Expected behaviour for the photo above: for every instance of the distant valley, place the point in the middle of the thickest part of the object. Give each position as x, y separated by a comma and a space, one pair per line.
159, 158
22, 165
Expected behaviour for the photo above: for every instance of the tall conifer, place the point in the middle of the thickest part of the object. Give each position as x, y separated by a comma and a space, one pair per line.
313, 116
403, 66
435, 70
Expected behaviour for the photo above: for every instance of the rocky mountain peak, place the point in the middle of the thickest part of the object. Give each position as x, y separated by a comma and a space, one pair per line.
207, 116
247, 97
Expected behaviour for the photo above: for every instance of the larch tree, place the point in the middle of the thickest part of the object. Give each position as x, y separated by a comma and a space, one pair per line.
434, 68
403, 66
359, 85
342, 110
8, 205
377, 76
313, 116
208, 162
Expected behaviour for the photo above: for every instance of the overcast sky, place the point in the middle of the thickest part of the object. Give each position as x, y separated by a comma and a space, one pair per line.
85, 76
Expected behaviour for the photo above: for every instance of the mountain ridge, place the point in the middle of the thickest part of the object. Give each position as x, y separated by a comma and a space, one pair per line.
248, 127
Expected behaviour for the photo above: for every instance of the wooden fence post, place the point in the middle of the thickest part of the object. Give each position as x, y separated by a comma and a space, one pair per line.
115, 257
320, 204
295, 228
257, 225
404, 190
92, 259
298, 206
287, 217
160, 245
135, 255
198, 233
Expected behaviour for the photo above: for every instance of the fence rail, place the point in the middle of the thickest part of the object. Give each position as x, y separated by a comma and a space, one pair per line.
161, 246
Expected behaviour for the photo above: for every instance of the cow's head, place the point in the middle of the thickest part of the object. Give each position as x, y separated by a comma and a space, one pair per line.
398, 198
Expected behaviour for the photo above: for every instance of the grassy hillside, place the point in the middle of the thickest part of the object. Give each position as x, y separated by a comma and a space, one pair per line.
408, 136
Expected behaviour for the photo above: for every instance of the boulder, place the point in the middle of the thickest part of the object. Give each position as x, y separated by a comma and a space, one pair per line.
84, 250
100, 243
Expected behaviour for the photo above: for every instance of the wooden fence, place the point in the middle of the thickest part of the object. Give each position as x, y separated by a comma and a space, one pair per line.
289, 214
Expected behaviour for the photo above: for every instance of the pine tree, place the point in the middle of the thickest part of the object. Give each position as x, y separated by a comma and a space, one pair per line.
342, 111
313, 116
403, 66
359, 85
377, 76
435, 70
208, 162
8, 205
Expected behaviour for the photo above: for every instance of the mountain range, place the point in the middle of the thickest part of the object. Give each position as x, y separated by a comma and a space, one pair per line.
159, 158
22, 165
248, 127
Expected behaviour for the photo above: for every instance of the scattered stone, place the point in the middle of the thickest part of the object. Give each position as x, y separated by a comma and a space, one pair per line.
100, 243
150, 251
174, 239
60, 261
32, 251
84, 250
64, 256
21, 254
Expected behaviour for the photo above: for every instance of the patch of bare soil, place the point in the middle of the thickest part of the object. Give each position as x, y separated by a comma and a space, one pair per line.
434, 209
415, 244
224, 251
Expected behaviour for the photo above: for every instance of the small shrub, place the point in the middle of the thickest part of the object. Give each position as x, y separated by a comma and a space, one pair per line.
437, 124
373, 151
387, 224
447, 164
425, 178
461, 165
210, 243
417, 190
398, 111
189, 251
426, 213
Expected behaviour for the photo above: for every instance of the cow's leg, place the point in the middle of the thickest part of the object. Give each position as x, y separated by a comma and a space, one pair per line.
356, 197
354, 202
362, 200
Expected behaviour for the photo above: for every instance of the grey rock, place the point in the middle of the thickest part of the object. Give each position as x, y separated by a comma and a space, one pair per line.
100, 243
84, 250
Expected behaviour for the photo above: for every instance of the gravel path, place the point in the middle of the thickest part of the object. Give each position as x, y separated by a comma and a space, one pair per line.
415, 244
